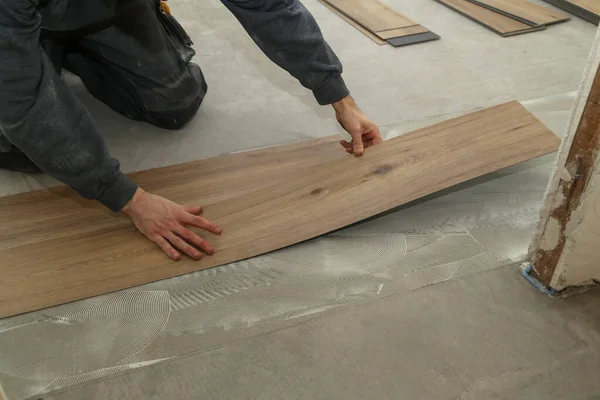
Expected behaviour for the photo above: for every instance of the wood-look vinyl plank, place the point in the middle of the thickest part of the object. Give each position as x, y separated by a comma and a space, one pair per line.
399, 32
60, 208
585, 10
524, 11
56, 247
492, 20
372, 14
355, 24
592, 6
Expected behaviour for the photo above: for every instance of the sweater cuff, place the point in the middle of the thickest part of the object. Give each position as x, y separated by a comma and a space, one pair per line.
117, 194
332, 90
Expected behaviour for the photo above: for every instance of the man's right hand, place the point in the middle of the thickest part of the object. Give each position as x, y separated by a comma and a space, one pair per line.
164, 222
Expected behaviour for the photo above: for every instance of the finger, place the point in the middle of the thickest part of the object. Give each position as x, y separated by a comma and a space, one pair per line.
376, 136
203, 223
357, 145
183, 245
195, 239
166, 247
193, 209
346, 144
371, 140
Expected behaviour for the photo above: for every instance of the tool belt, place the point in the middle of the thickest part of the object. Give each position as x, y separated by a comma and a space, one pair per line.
53, 42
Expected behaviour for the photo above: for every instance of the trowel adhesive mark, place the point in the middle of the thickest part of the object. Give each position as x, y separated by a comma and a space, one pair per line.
441, 251
68, 381
210, 291
316, 191
98, 332
339, 257
416, 242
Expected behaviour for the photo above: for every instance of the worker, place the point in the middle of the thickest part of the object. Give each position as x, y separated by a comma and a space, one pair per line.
136, 58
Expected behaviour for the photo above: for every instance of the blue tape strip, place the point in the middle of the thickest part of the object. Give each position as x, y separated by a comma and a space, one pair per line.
526, 272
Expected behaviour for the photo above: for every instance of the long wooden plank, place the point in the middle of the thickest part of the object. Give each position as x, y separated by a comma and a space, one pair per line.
379, 22
492, 20
372, 14
399, 32
522, 10
58, 209
264, 200
585, 9
590, 5
355, 24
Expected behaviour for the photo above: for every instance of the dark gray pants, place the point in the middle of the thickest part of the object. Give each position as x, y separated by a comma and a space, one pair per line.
133, 64
137, 67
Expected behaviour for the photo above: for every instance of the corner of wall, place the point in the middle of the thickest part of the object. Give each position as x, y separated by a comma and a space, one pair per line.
579, 263
551, 197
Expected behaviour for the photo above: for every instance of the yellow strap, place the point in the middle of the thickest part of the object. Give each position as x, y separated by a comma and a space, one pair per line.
165, 8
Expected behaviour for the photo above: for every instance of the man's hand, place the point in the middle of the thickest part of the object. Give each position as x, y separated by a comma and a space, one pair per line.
364, 132
164, 221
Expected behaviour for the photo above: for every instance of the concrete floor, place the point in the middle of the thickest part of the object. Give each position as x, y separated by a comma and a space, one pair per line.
485, 336
357, 318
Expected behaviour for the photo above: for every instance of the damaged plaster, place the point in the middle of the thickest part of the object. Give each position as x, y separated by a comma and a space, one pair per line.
562, 250
551, 236
560, 170
579, 263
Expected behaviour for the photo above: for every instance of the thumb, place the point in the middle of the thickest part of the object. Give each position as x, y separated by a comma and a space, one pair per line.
357, 144
193, 209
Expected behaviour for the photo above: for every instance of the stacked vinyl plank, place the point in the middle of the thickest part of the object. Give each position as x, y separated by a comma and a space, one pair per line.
585, 9
380, 23
264, 200
524, 11
507, 17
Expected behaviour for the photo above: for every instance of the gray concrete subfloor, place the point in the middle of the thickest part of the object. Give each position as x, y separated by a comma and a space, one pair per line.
484, 336
475, 227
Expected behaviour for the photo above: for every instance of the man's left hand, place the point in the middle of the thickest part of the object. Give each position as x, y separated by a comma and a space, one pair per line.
364, 132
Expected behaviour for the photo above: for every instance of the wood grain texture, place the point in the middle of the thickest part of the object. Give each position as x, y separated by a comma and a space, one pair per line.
524, 11
579, 11
56, 247
406, 31
372, 14
592, 6
492, 20
355, 24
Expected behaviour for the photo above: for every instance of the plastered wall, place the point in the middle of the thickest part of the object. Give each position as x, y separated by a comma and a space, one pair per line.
580, 261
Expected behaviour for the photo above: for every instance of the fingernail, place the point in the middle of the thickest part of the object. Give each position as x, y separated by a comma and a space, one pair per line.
218, 230
197, 255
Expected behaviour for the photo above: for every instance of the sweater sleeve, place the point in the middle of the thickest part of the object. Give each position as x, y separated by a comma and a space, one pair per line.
41, 117
289, 35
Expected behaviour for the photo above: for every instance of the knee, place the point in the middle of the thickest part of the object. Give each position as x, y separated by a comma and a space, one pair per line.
175, 119
178, 117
